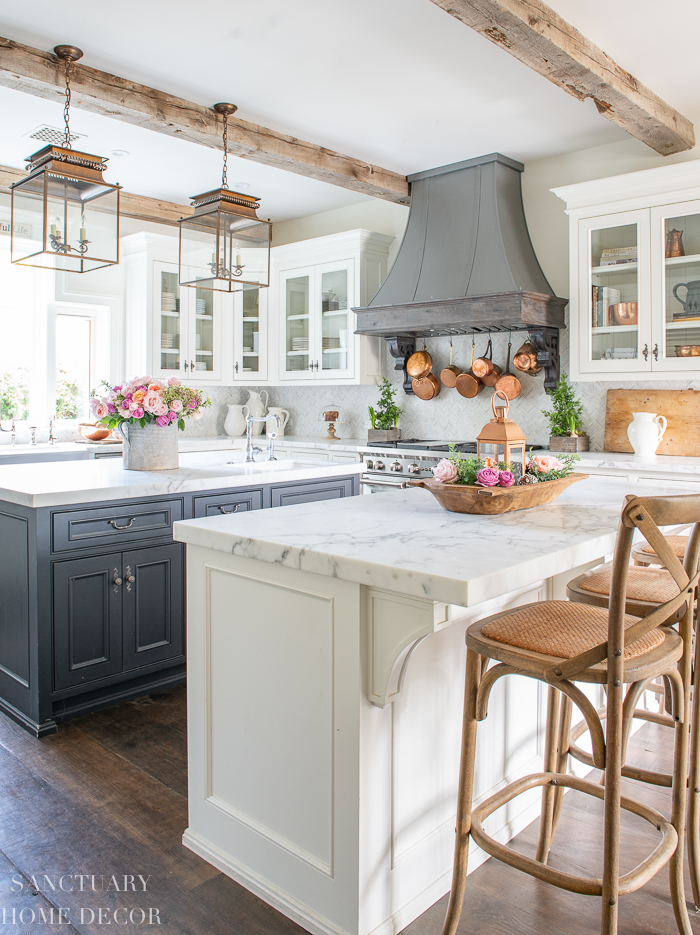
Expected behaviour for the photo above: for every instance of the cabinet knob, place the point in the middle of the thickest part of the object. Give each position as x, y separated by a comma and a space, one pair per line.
131, 579
116, 580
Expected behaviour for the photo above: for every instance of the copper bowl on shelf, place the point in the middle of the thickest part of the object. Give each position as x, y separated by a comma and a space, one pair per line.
624, 313
688, 350
93, 432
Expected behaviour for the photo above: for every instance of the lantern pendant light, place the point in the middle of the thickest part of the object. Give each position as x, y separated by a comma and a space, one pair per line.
64, 215
224, 246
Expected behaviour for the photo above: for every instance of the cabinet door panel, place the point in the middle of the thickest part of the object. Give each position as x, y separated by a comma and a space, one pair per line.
331, 489
87, 620
153, 605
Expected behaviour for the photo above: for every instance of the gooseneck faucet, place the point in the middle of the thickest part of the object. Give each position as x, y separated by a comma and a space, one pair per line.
52, 437
249, 449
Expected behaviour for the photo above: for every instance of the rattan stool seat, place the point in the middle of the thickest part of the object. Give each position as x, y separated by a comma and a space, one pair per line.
644, 554
655, 585
677, 543
563, 629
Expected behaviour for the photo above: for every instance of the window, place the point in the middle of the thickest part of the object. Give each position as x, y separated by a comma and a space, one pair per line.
72, 361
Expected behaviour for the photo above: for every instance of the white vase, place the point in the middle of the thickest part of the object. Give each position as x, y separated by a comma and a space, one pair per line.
235, 420
257, 408
645, 431
149, 447
283, 416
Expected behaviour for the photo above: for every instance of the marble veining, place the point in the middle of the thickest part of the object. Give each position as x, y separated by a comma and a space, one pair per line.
404, 541
59, 483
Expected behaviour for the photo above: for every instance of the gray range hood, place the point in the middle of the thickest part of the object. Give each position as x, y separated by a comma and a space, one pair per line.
466, 265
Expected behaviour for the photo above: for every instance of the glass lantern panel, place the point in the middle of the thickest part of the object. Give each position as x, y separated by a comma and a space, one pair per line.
169, 322
297, 324
490, 450
221, 252
614, 293
334, 311
251, 330
28, 219
682, 287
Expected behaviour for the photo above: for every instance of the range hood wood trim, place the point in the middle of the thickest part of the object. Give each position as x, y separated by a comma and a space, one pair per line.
514, 311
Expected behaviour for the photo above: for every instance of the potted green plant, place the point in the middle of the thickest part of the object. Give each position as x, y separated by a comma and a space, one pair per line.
566, 432
386, 416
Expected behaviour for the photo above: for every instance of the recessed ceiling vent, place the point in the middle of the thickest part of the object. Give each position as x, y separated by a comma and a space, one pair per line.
52, 135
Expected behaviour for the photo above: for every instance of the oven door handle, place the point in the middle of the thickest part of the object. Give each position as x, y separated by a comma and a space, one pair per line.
384, 483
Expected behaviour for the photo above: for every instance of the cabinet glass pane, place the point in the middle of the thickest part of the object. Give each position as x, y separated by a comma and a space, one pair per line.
204, 330
682, 287
169, 321
334, 313
297, 323
251, 330
614, 293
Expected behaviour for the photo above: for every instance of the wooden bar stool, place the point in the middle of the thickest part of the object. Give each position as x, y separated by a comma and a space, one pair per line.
562, 642
648, 588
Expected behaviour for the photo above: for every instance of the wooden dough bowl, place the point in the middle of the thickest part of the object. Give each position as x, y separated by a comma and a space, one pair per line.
460, 498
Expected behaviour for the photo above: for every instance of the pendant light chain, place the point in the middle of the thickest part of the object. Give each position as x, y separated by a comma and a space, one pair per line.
66, 107
224, 179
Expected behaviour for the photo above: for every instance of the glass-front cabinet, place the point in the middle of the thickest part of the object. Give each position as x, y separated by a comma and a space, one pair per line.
317, 304
635, 274
250, 335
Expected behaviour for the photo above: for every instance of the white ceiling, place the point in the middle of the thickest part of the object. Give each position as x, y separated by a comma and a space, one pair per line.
399, 83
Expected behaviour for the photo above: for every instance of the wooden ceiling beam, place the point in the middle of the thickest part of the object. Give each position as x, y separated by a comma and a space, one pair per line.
41, 74
131, 206
533, 33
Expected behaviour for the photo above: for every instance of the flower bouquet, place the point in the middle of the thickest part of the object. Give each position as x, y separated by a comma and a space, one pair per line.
482, 485
147, 413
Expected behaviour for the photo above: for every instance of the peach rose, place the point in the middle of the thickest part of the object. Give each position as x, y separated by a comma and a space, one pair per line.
153, 402
490, 462
138, 396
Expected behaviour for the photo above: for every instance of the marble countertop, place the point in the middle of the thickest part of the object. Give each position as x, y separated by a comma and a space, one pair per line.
404, 541
621, 460
59, 483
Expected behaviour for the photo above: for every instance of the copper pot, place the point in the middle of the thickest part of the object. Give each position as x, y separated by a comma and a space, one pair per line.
624, 313
419, 364
427, 387
449, 374
508, 384
467, 384
525, 359
484, 366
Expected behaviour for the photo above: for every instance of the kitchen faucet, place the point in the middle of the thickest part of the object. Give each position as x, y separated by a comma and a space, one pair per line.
52, 437
13, 430
249, 449
32, 429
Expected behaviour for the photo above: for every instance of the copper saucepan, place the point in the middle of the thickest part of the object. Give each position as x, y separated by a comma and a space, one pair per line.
419, 364
508, 384
450, 374
485, 369
467, 384
525, 360
427, 387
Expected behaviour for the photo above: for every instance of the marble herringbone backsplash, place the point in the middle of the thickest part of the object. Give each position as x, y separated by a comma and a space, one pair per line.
448, 416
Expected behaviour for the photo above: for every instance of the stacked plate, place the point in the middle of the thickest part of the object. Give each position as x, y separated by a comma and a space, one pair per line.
330, 343
300, 344
168, 302
200, 365
201, 306
166, 340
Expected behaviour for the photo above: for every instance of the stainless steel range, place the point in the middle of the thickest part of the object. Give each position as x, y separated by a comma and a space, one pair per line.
390, 465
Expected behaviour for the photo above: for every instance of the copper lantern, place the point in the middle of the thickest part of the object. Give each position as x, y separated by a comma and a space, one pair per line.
64, 215
501, 439
224, 246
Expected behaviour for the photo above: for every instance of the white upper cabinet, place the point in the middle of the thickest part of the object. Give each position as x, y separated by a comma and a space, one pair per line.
249, 343
635, 274
316, 285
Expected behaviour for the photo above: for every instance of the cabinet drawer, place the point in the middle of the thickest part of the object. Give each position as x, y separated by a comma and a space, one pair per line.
88, 528
239, 502
331, 489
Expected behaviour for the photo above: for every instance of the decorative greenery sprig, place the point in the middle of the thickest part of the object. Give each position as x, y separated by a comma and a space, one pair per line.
469, 467
566, 414
386, 415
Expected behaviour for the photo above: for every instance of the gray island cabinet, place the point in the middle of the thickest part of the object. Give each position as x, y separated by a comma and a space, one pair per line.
92, 585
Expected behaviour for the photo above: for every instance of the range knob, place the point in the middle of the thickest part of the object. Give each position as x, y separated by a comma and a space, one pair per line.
369, 465
379, 465
413, 468
397, 466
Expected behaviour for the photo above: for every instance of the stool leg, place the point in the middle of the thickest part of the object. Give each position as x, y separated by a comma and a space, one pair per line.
562, 755
550, 766
464, 795
694, 786
611, 802
678, 813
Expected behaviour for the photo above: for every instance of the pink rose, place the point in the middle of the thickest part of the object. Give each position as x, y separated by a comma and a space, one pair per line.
197, 415
176, 404
101, 411
95, 404
545, 463
162, 420
153, 402
125, 404
172, 416
173, 381
111, 407
192, 404
445, 471
487, 477
137, 413
506, 479
133, 404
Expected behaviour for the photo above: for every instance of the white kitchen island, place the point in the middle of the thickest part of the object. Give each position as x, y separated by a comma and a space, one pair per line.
325, 682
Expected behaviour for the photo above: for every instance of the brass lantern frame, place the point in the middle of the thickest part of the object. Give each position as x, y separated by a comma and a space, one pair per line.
502, 431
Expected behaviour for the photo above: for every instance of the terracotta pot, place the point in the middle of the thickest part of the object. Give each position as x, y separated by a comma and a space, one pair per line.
419, 364
427, 387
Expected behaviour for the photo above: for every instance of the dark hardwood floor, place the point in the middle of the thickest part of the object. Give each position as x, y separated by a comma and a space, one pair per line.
106, 798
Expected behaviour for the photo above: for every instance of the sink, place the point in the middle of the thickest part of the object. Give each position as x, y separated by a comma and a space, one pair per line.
284, 464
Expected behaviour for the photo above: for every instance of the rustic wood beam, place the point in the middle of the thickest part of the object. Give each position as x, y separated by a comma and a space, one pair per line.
41, 74
533, 33
132, 206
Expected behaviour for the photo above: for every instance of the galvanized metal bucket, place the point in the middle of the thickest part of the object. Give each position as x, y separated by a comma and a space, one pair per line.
149, 447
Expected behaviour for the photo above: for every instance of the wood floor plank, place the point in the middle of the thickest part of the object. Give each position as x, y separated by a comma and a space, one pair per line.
23, 910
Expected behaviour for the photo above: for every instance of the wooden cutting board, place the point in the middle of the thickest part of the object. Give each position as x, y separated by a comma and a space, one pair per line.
680, 407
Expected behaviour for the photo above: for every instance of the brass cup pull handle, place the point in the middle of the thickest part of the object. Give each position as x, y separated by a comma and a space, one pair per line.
228, 512
113, 522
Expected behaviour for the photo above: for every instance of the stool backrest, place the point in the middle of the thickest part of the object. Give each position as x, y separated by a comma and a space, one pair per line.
646, 514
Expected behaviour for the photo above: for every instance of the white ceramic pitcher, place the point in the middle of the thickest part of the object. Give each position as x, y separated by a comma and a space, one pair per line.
257, 407
645, 432
235, 419
283, 416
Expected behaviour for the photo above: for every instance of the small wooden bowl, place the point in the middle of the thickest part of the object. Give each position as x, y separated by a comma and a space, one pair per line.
93, 432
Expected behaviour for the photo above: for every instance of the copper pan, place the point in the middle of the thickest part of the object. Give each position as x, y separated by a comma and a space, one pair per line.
525, 360
467, 384
484, 366
508, 384
449, 374
427, 387
419, 364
